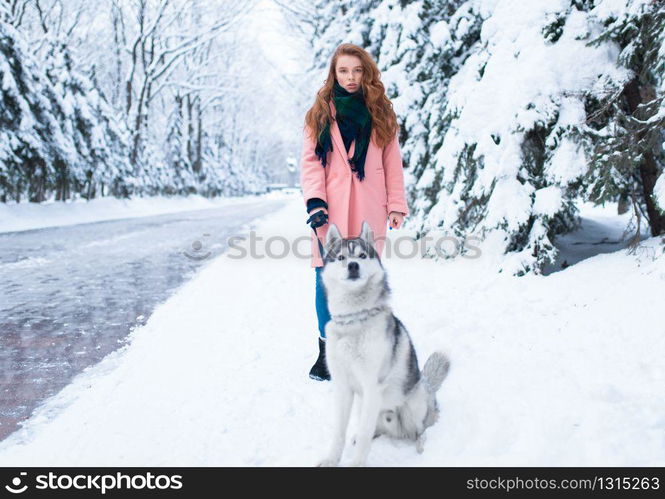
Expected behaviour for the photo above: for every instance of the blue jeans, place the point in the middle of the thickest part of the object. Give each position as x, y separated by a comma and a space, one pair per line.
322, 312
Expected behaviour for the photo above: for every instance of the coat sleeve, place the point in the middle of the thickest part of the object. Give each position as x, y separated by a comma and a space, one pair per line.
312, 173
314, 203
394, 172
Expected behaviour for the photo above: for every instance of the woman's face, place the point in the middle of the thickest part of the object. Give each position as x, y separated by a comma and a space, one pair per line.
349, 72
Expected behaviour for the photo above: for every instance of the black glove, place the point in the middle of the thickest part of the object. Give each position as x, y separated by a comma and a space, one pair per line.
317, 219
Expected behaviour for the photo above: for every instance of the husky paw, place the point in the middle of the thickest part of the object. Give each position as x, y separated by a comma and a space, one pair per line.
356, 463
354, 440
328, 463
420, 444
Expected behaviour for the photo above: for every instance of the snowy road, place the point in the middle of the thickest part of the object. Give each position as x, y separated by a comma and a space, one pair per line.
70, 295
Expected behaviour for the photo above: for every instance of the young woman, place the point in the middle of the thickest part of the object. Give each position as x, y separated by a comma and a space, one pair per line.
351, 164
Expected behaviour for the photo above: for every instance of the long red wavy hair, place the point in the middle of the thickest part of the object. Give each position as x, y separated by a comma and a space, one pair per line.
384, 120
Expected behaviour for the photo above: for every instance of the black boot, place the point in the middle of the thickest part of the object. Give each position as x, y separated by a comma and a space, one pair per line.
319, 370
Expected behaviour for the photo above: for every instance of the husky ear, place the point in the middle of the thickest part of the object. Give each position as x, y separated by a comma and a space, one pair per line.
332, 235
366, 233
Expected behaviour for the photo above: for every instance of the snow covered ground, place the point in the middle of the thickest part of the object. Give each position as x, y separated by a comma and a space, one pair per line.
563, 370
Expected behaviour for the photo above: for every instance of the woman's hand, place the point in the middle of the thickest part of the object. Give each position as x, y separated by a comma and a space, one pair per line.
320, 208
317, 218
396, 219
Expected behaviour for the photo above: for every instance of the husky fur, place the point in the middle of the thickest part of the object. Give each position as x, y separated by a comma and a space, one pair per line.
370, 355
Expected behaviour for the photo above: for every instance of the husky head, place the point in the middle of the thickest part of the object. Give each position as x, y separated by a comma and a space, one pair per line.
352, 270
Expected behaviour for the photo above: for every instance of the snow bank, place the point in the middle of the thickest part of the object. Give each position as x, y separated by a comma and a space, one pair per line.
28, 216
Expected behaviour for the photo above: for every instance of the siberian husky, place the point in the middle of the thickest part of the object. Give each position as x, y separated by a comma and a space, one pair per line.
370, 355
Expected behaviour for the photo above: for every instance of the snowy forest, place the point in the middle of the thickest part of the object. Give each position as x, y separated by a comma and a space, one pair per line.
130, 98
510, 112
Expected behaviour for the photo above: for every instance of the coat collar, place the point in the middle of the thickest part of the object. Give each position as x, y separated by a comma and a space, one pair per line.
337, 137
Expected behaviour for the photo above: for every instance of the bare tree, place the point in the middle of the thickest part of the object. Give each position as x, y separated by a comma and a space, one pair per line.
159, 44
300, 15
12, 11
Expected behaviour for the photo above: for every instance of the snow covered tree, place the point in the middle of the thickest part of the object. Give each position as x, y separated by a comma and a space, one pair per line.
177, 157
624, 131
100, 139
60, 134
508, 165
34, 145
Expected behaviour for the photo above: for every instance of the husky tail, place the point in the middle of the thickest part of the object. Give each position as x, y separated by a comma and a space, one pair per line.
435, 371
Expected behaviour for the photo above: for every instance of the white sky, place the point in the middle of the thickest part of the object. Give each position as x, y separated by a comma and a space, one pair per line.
289, 54
284, 47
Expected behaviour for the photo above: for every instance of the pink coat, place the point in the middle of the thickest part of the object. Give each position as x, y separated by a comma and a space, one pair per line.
351, 201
